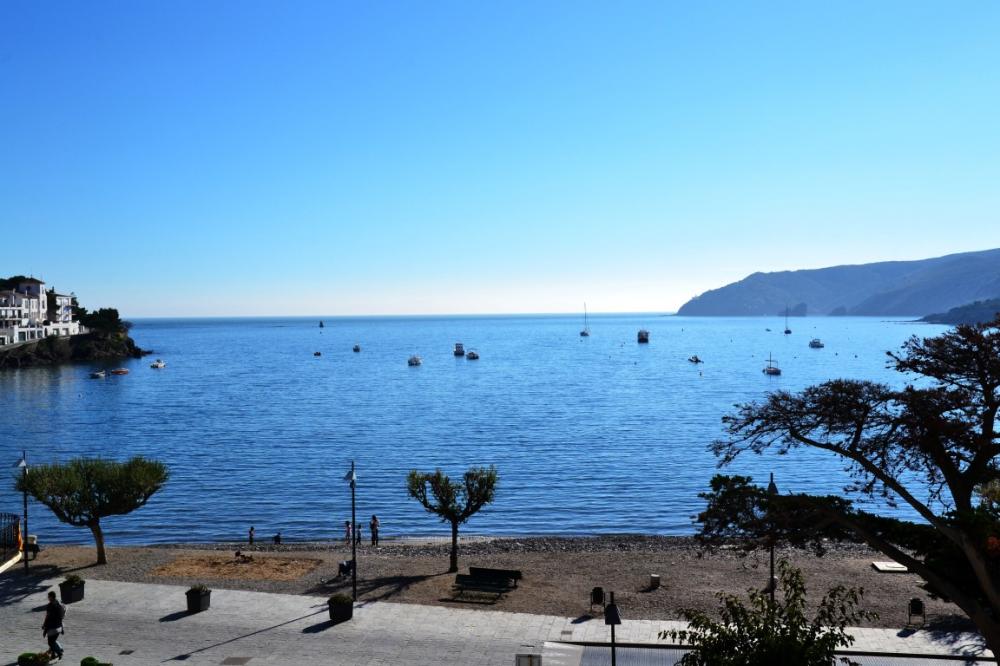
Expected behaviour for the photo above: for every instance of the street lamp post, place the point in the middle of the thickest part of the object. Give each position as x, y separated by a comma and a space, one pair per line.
353, 478
612, 617
772, 491
23, 464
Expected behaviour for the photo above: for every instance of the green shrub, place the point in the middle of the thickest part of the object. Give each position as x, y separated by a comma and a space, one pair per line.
32, 659
199, 589
73, 581
89, 661
340, 599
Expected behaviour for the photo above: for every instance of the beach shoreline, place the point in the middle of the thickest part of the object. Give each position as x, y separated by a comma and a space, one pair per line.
559, 572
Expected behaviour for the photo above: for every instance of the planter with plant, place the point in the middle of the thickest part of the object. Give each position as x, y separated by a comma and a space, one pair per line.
341, 608
32, 659
93, 661
199, 598
71, 589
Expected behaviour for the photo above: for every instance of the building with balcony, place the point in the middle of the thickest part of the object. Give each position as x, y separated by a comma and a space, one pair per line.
25, 314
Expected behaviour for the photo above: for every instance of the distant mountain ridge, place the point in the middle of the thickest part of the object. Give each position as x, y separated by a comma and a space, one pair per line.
889, 288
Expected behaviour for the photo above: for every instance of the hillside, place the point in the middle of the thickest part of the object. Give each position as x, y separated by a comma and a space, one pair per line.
886, 289
973, 313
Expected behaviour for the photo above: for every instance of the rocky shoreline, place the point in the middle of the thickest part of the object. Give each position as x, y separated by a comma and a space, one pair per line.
72, 349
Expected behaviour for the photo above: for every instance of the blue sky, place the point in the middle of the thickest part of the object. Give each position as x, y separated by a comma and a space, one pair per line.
230, 158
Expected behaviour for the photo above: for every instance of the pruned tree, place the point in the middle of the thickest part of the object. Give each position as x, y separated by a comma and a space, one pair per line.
932, 445
82, 491
762, 633
455, 503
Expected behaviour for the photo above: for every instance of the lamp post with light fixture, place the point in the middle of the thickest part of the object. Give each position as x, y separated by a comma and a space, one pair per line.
353, 478
23, 464
772, 492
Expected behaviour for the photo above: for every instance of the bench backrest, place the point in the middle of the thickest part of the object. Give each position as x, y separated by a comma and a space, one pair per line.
475, 581
485, 572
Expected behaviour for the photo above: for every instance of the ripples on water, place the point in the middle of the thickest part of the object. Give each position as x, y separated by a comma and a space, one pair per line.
590, 435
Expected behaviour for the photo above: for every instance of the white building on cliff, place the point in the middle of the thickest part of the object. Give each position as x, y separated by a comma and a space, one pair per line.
25, 314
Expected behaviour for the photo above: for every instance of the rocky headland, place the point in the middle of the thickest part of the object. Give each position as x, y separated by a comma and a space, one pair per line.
94, 346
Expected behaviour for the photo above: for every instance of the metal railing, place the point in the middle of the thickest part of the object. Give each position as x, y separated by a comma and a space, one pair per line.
10, 524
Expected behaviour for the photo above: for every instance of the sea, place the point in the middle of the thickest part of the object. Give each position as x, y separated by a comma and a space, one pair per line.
590, 435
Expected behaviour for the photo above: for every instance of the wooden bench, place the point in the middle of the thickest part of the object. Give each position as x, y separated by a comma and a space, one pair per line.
469, 583
510, 576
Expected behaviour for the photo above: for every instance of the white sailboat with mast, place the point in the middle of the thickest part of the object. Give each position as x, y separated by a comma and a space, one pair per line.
585, 333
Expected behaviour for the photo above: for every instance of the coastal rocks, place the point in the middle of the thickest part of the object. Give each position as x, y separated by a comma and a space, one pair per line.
56, 350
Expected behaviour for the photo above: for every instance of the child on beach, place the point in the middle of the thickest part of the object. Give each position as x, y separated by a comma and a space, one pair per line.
347, 532
373, 526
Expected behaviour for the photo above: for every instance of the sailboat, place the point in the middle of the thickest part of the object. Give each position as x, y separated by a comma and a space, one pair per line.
771, 368
788, 331
321, 324
585, 333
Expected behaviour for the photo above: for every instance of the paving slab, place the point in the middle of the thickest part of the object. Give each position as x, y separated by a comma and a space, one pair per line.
133, 623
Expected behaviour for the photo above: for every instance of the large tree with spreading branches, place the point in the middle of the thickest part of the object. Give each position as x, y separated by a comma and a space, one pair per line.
454, 502
932, 445
82, 491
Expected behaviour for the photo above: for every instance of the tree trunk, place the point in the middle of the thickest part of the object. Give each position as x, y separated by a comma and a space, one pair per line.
453, 566
95, 527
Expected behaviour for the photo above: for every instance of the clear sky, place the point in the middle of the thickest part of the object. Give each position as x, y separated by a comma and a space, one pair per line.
231, 158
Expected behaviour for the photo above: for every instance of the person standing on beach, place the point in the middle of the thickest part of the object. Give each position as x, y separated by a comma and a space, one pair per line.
347, 532
373, 528
357, 533
53, 625
251, 535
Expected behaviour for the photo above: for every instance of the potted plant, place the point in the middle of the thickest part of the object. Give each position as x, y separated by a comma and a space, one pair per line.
341, 608
199, 598
93, 661
71, 589
32, 659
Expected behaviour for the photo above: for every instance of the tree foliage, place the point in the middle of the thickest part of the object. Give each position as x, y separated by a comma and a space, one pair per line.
82, 491
931, 445
759, 633
105, 320
456, 502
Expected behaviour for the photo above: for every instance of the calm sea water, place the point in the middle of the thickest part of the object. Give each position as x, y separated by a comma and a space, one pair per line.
590, 435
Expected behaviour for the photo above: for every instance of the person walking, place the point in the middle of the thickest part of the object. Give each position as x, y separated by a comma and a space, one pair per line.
373, 526
347, 532
53, 625
251, 535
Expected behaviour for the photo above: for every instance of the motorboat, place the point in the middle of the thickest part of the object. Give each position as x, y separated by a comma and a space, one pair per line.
816, 343
317, 353
321, 324
771, 368
459, 349
98, 374
585, 333
643, 336
414, 361
473, 355
357, 348
120, 371
694, 359
158, 364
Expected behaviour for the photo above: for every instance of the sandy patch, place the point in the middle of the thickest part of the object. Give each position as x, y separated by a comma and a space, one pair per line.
215, 566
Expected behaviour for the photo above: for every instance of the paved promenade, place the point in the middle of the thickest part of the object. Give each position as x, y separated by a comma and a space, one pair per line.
130, 623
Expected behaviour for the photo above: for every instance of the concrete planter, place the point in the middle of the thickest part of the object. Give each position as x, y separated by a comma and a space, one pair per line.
341, 612
198, 600
70, 592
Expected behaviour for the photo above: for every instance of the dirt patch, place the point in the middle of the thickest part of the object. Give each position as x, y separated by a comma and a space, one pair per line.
256, 568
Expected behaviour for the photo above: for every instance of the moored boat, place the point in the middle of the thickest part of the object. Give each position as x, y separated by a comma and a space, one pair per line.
585, 333
158, 364
694, 359
98, 374
414, 361
459, 349
120, 371
317, 353
473, 355
357, 348
816, 343
643, 336
771, 368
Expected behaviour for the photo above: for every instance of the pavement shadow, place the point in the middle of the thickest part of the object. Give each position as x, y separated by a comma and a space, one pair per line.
318, 627
173, 617
188, 655
586, 617
15, 587
954, 631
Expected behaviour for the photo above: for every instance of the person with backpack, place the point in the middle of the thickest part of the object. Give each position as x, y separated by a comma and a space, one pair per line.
53, 625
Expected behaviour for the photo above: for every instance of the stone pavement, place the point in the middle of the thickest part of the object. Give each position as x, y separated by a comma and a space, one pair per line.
131, 623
